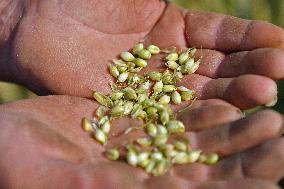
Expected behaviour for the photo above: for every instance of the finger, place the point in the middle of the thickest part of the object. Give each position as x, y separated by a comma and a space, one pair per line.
186, 105
237, 184
203, 114
245, 91
227, 33
196, 119
210, 102
240, 135
268, 62
265, 161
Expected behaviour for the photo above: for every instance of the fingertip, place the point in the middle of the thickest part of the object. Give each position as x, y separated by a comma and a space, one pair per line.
262, 34
258, 128
271, 118
248, 91
266, 61
276, 66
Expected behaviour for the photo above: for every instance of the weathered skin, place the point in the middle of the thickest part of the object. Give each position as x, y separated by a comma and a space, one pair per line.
43, 146
59, 42
64, 47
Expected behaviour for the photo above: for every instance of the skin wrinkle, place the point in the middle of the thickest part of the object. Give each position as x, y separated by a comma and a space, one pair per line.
217, 31
204, 33
157, 22
242, 166
150, 15
49, 143
194, 172
128, 11
48, 114
81, 23
249, 40
174, 35
245, 34
5, 18
17, 69
262, 157
235, 25
237, 63
183, 15
186, 31
213, 91
225, 136
210, 62
221, 57
34, 86
228, 168
221, 91
10, 15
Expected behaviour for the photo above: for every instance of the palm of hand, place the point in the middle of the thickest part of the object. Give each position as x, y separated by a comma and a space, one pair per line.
46, 131
74, 43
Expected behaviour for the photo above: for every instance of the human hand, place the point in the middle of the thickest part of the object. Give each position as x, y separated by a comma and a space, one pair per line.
57, 44
43, 146
64, 47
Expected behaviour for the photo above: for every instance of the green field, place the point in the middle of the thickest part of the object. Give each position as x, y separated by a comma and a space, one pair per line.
269, 10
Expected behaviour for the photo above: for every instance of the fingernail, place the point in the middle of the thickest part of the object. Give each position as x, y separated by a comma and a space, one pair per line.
273, 102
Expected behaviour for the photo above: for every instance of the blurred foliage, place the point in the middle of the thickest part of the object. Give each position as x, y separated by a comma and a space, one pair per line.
11, 92
269, 10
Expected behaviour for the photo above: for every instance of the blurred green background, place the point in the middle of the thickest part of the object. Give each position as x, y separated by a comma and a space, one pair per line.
269, 10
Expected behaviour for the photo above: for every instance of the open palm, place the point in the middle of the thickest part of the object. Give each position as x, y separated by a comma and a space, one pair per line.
65, 47
43, 146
